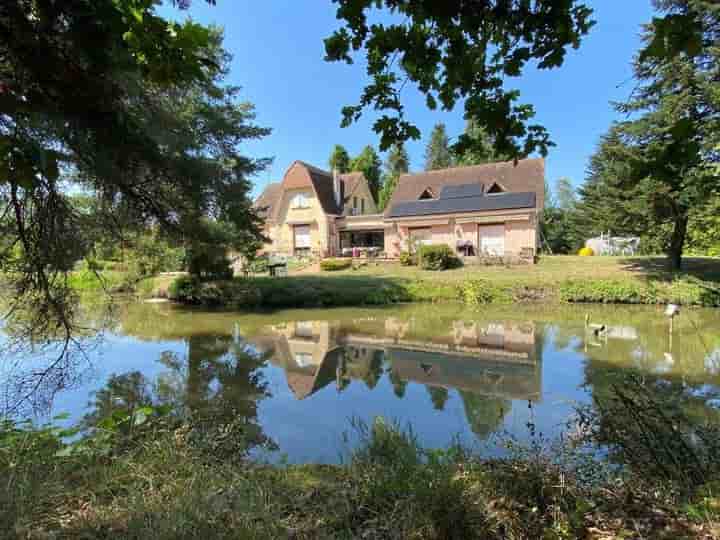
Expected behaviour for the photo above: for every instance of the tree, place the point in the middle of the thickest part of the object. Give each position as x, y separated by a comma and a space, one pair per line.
129, 106
670, 145
368, 162
397, 163
456, 51
437, 152
339, 159
565, 194
559, 222
477, 147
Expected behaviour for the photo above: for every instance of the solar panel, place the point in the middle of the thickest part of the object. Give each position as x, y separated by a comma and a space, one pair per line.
502, 201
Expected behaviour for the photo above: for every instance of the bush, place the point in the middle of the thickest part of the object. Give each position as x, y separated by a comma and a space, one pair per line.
688, 292
407, 259
438, 257
332, 265
474, 292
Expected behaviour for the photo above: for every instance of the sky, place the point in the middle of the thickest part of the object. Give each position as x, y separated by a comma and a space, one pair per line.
277, 48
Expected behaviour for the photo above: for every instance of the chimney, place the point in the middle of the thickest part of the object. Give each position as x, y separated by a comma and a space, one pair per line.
336, 188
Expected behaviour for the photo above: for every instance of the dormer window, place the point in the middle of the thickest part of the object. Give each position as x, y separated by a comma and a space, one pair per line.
495, 188
426, 194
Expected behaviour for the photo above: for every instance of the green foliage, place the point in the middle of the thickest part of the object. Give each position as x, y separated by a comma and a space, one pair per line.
437, 151
408, 259
649, 427
397, 163
437, 257
368, 162
332, 265
460, 54
153, 137
476, 147
658, 167
207, 256
474, 292
684, 291
704, 229
339, 159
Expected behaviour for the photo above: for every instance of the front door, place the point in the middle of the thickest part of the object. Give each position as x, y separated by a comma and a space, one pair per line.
302, 237
492, 240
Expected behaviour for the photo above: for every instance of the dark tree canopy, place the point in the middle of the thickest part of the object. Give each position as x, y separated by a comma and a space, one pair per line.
396, 163
130, 107
368, 162
657, 167
437, 152
339, 159
453, 51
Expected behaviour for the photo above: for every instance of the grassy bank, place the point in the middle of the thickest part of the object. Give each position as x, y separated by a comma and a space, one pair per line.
554, 279
154, 479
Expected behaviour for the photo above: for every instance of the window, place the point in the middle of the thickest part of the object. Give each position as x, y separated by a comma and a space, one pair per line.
495, 188
301, 200
354, 202
420, 237
302, 236
427, 194
492, 240
362, 206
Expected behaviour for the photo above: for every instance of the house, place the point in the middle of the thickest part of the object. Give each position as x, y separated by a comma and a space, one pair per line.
490, 209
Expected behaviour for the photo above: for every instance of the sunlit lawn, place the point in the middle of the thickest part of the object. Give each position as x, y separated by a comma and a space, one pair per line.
550, 270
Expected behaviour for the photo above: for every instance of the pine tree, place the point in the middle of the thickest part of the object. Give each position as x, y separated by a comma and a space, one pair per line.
339, 159
669, 146
437, 153
368, 162
397, 163
476, 147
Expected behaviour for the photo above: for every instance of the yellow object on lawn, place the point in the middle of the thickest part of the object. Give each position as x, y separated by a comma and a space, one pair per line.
586, 252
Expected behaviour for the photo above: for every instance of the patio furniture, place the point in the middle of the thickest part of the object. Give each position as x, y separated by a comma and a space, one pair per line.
277, 266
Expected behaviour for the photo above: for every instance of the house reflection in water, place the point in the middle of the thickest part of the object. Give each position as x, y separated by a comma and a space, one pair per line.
497, 360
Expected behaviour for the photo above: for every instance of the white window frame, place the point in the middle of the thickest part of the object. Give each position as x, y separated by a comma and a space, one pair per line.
492, 244
300, 201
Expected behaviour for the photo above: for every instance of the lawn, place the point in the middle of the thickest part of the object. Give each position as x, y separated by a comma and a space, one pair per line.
550, 271
555, 279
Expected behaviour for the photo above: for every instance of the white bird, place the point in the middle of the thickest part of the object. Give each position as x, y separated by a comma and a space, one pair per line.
671, 310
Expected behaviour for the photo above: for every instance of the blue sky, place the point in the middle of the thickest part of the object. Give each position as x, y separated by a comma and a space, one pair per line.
278, 60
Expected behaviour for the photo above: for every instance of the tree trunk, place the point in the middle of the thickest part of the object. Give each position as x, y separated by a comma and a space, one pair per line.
677, 242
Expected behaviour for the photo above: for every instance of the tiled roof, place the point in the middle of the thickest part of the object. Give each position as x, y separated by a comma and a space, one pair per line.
267, 199
528, 175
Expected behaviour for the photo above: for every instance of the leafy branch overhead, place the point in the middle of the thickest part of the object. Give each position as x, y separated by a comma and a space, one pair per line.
456, 50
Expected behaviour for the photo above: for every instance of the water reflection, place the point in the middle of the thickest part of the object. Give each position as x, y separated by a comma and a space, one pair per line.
501, 360
297, 378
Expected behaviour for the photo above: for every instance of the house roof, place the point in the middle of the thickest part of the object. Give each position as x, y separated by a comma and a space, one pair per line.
322, 183
267, 199
455, 205
525, 176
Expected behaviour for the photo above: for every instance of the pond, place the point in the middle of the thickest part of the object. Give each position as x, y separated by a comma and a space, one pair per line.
308, 380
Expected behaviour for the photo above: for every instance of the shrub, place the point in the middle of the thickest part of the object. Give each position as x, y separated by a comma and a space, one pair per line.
437, 257
606, 291
332, 265
407, 259
474, 292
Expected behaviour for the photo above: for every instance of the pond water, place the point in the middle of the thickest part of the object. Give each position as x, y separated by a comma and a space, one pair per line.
306, 378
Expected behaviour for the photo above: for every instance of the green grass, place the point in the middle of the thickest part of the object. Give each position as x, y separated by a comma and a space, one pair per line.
554, 279
160, 484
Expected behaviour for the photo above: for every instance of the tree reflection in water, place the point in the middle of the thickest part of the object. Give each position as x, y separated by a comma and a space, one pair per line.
214, 390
